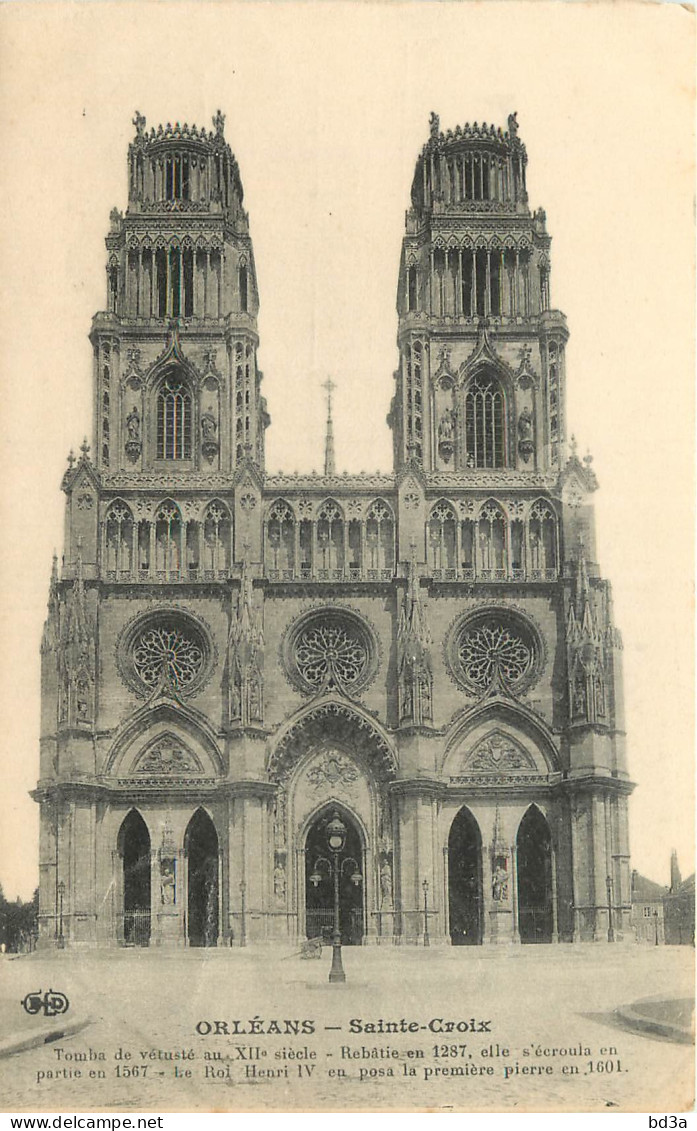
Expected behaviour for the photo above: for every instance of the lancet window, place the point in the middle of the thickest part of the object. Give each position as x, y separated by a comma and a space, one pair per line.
216, 545
328, 546
167, 547
543, 541
414, 399
485, 423
280, 536
119, 542
169, 544
492, 542
174, 419
488, 544
442, 547
554, 407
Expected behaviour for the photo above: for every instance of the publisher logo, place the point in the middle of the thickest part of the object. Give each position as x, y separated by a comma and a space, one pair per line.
50, 1003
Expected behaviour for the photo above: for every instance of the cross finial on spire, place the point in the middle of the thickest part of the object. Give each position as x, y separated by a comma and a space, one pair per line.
329, 464
84, 448
71, 458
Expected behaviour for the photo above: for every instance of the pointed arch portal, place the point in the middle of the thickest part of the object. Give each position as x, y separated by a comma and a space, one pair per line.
134, 850
203, 914
534, 852
465, 880
319, 882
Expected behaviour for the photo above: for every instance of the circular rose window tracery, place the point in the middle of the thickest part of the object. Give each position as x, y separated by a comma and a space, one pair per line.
168, 648
494, 650
330, 649
168, 652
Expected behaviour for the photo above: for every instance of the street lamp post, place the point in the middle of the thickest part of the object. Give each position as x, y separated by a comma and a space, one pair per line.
610, 928
427, 940
243, 924
336, 840
655, 921
61, 893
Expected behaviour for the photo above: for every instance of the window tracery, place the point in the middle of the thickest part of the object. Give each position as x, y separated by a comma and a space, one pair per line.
494, 650
330, 649
485, 423
174, 417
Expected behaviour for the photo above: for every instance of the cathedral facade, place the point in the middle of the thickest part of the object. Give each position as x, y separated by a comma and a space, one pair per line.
232, 659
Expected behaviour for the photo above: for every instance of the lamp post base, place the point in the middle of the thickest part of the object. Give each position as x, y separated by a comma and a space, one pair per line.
336, 974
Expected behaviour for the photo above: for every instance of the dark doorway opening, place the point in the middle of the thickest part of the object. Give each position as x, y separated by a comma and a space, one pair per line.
319, 882
534, 849
134, 849
465, 880
201, 843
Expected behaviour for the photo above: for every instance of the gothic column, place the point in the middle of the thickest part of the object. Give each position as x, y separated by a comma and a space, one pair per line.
514, 892
474, 282
555, 907
416, 805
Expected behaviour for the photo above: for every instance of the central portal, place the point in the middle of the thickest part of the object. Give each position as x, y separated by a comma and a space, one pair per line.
319, 882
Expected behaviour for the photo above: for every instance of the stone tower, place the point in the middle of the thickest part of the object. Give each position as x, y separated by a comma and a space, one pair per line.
233, 660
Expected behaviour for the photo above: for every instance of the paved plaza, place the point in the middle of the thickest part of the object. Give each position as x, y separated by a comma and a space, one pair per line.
526, 1028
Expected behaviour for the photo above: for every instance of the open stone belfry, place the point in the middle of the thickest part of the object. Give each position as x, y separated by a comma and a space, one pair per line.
231, 658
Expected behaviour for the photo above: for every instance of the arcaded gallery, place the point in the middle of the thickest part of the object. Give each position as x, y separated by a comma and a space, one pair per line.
233, 660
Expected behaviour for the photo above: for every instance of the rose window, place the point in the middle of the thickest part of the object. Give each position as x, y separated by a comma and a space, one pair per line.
168, 648
491, 651
331, 650
167, 652
329, 654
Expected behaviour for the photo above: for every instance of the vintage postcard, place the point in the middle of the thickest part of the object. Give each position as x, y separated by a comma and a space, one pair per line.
347, 368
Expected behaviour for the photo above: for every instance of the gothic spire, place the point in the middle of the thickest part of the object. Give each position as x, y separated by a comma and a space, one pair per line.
329, 463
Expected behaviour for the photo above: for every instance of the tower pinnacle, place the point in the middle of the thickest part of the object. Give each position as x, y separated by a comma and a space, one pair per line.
329, 463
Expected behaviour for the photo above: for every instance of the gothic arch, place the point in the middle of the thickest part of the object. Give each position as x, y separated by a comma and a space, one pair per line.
332, 720
499, 712
149, 723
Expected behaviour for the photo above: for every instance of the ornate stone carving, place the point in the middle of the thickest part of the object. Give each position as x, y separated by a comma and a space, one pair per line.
414, 657
526, 443
335, 771
386, 895
246, 657
279, 882
167, 757
497, 753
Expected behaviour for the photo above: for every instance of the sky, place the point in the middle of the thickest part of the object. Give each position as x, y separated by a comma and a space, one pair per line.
327, 108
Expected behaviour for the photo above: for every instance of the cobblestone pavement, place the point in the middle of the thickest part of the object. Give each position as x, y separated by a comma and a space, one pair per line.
525, 1003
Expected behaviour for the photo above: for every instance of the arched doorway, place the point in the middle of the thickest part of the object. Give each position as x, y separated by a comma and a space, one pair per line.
534, 852
201, 845
319, 881
465, 880
134, 850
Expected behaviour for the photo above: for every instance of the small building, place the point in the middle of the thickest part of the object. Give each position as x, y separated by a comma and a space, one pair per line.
648, 909
679, 908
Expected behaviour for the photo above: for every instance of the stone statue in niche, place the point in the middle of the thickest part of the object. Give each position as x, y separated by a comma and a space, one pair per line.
209, 433
499, 880
526, 444
386, 884
279, 882
133, 424
209, 426
133, 444
446, 434
167, 882
579, 700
